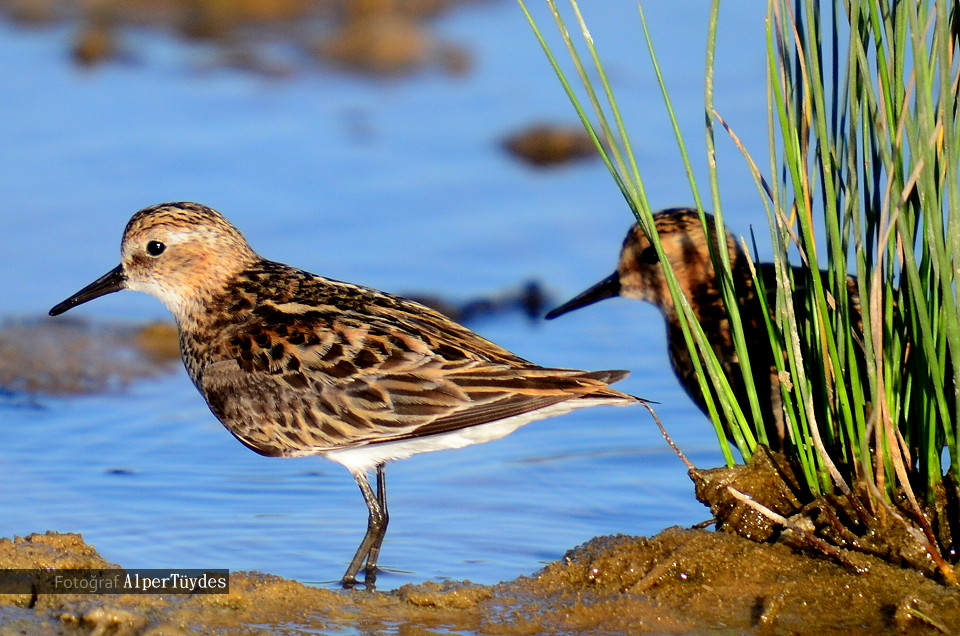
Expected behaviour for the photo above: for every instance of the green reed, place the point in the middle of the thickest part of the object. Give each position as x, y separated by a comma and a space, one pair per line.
863, 178
865, 103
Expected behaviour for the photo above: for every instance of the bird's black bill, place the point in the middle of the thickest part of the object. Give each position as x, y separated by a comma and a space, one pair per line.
112, 281
607, 288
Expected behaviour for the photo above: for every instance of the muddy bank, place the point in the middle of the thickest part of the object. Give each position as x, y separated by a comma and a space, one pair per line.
681, 581
76, 357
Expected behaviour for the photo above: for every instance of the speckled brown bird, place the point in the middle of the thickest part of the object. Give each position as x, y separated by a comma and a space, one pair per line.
640, 275
297, 364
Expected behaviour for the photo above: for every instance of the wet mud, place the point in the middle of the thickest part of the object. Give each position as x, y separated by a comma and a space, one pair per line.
73, 357
545, 144
678, 582
765, 501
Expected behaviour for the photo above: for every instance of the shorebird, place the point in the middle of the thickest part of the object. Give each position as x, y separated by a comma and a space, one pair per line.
640, 275
296, 364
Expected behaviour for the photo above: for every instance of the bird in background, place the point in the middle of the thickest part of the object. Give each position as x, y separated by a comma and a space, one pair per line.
296, 364
640, 275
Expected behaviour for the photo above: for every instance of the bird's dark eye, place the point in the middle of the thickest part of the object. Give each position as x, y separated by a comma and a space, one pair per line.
155, 248
649, 256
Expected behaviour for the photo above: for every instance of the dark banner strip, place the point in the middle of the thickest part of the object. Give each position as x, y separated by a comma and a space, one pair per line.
63, 581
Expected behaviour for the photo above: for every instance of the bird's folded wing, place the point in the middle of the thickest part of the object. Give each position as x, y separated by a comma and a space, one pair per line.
317, 411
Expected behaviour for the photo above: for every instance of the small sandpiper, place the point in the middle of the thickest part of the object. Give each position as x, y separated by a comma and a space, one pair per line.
296, 364
640, 275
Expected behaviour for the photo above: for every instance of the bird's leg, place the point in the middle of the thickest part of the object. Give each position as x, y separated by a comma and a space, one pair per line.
369, 548
385, 516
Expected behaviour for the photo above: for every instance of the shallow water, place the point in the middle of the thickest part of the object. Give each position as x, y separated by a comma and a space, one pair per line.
399, 184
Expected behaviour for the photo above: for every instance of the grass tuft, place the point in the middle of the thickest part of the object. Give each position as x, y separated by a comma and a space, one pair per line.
862, 186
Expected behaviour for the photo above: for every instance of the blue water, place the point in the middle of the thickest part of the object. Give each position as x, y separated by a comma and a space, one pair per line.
395, 183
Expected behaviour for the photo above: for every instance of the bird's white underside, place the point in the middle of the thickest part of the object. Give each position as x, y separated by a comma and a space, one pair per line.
362, 459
